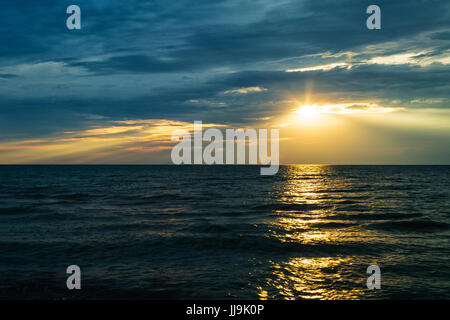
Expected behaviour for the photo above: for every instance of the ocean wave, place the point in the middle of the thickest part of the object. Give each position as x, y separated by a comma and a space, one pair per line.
290, 207
333, 225
263, 243
372, 216
78, 196
411, 226
16, 210
210, 228
145, 199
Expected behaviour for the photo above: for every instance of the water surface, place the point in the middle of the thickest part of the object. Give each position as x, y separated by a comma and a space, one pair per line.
215, 232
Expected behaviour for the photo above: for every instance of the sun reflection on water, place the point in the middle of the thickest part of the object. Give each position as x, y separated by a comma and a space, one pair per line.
306, 220
312, 278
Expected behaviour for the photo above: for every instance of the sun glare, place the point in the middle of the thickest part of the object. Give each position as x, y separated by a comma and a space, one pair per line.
307, 112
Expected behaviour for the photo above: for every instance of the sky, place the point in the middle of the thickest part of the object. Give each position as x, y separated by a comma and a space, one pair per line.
115, 90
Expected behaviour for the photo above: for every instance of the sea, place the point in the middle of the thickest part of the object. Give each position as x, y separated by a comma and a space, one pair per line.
224, 232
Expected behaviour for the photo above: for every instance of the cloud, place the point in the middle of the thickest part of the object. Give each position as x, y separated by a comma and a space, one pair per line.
404, 58
428, 101
245, 90
347, 108
222, 62
7, 76
149, 149
419, 58
133, 64
325, 67
105, 144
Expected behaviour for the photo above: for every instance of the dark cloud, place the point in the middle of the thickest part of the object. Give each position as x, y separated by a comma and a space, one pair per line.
133, 64
7, 76
441, 35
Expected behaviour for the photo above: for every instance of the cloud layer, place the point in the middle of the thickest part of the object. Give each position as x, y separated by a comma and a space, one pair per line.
225, 62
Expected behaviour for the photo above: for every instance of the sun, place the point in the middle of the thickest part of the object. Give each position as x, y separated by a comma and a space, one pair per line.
307, 112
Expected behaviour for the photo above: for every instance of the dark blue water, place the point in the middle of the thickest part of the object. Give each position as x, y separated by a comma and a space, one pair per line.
167, 232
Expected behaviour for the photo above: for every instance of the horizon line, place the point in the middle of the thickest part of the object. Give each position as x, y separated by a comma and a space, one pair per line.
209, 165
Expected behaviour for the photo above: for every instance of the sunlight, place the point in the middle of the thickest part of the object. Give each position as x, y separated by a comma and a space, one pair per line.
305, 219
307, 112
312, 111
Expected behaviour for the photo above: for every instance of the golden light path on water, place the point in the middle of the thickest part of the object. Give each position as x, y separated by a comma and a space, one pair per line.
310, 196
